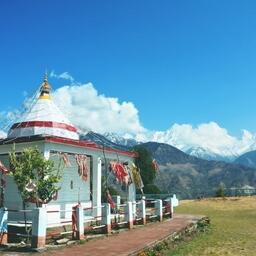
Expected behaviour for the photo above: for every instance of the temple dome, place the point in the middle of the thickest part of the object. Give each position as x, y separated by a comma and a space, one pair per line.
43, 118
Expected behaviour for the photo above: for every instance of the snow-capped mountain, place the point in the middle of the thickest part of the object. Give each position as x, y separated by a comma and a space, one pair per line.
209, 155
196, 151
119, 140
209, 148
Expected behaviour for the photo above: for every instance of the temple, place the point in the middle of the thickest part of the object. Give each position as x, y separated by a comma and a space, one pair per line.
45, 127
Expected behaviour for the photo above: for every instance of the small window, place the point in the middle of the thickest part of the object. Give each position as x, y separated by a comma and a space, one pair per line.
71, 184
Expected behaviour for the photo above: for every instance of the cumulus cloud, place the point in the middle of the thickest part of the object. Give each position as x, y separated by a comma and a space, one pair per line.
209, 136
64, 75
89, 110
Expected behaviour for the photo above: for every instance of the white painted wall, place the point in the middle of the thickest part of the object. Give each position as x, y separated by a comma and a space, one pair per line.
67, 196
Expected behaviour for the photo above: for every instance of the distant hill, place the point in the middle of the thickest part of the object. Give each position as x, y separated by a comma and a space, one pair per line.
247, 159
191, 177
188, 176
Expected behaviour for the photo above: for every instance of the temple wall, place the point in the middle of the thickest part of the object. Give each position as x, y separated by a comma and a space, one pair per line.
73, 188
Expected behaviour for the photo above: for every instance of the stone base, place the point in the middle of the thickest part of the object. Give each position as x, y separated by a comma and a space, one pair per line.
38, 241
108, 229
130, 224
78, 236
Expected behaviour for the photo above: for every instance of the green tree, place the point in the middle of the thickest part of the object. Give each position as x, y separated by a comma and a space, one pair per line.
148, 174
151, 189
36, 178
220, 192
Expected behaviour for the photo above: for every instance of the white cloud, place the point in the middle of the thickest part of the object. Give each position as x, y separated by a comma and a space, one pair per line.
3, 134
209, 136
89, 110
64, 75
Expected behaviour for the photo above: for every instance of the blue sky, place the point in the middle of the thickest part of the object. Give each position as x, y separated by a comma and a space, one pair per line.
177, 61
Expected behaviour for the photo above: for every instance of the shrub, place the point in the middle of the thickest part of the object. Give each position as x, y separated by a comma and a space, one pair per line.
220, 192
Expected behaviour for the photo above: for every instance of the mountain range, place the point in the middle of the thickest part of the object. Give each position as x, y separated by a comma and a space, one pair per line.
207, 154
247, 159
200, 152
191, 177
186, 175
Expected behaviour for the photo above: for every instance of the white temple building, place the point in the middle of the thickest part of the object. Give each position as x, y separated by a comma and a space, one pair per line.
44, 126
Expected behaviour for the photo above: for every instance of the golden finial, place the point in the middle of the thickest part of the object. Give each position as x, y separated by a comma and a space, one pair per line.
45, 89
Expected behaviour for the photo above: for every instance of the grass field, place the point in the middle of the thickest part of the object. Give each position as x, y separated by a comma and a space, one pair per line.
232, 231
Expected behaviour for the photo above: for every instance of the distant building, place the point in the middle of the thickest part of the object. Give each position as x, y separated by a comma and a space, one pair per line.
246, 190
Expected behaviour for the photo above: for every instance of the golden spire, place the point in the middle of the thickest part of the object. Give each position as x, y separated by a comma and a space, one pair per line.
45, 89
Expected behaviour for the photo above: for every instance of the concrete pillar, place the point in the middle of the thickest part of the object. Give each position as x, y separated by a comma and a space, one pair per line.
134, 206
159, 209
3, 226
39, 225
171, 215
106, 217
117, 200
96, 186
47, 153
79, 235
171, 207
142, 211
129, 214
131, 192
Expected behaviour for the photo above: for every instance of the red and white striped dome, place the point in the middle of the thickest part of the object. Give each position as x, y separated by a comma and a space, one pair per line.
44, 118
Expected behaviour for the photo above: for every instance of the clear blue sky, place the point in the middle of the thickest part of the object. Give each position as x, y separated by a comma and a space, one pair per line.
177, 61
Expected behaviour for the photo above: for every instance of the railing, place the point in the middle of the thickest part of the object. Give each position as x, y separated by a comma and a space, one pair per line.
153, 196
127, 214
61, 222
119, 216
4, 229
96, 222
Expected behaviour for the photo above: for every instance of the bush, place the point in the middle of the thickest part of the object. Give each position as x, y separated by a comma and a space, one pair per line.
220, 192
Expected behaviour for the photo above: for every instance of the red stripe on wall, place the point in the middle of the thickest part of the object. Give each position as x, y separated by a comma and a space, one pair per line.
45, 124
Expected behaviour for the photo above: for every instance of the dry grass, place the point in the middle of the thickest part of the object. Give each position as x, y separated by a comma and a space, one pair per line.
233, 227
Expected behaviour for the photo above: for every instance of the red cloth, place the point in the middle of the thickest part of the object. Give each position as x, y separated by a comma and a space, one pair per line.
3, 169
74, 219
120, 172
81, 161
66, 159
155, 165
111, 201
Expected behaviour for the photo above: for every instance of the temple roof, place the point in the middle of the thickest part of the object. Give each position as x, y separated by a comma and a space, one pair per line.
43, 118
